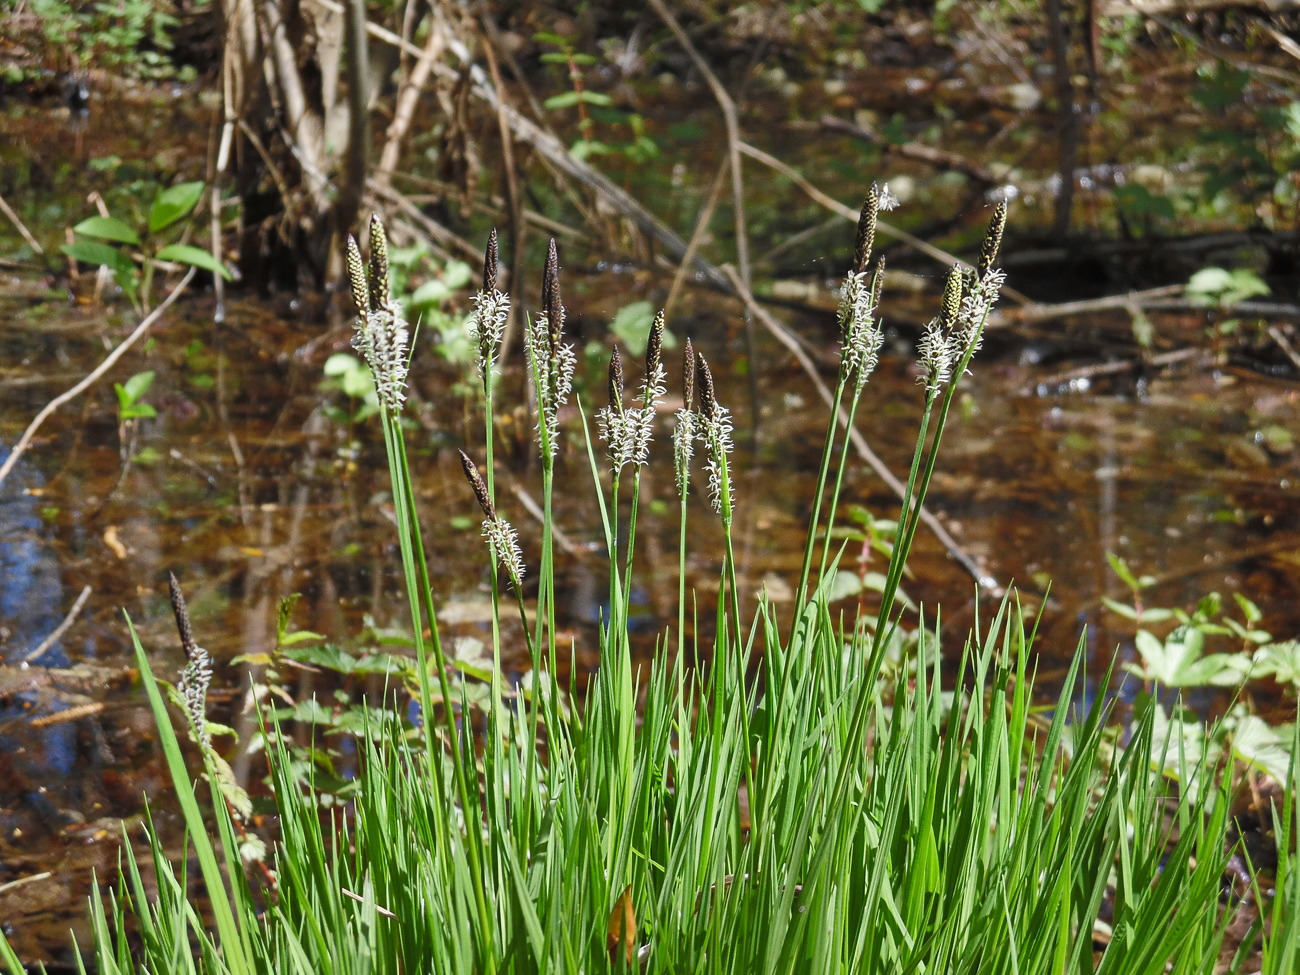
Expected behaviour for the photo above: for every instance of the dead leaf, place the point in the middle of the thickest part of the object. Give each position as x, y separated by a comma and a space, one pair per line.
114, 543
622, 928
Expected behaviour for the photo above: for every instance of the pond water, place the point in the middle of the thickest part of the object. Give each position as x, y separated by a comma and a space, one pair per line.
249, 487
251, 484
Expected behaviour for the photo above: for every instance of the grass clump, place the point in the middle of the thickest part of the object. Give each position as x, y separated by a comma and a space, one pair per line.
801, 796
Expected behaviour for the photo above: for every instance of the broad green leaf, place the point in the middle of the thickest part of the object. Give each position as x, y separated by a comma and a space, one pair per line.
1281, 661
174, 203
431, 294
565, 99
631, 326
1262, 746
138, 384
138, 411
94, 253
843, 585
197, 256
107, 228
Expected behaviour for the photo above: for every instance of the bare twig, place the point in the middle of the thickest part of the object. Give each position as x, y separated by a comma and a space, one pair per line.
697, 236
61, 629
938, 158
20, 227
1287, 348
1036, 312
407, 99
732, 123
93, 376
514, 200
882, 226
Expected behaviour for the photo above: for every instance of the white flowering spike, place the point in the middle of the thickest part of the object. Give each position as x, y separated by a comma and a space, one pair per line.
861, 333
500, 534
504, 541
487, 323
935, 354
382, 336
715, 432
550, 359
684, 433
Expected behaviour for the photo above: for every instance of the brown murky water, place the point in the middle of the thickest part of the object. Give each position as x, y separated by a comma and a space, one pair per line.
250, 484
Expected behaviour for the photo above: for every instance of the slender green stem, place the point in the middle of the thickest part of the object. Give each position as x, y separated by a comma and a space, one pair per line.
810, 541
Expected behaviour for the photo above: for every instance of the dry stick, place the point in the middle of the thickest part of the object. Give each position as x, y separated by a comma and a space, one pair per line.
436, 231
230, 121
697, 236
939, 158
1288, 350
355, 154
20, 227
788, 339
1041, 313
514, 202
150, 320
728, 107
61, 629
407, 100
883, 226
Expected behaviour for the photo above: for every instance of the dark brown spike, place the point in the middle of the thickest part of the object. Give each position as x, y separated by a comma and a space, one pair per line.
182, 614
378, 279
616, 381
866, 236
357, 277
992, 240
708, 400
551, 296
688, 376
490, 262
480, 489
952, 289
654, 347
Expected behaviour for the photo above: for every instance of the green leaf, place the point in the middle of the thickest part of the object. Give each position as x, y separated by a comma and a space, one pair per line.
1118, 608
138, 411
138, 385
631, 326
197, 256
565, 99
1281, 661
1249, 611
843, 585
107, 228
174, 203
94, 253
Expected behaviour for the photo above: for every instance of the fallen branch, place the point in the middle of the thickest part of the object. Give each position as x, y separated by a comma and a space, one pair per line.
61, 629
938, 158
93, 376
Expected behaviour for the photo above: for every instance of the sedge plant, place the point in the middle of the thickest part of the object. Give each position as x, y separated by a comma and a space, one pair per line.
818, 813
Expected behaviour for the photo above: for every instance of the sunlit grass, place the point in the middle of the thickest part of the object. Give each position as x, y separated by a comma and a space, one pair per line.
854, 807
